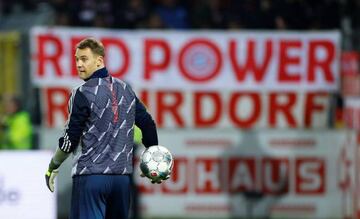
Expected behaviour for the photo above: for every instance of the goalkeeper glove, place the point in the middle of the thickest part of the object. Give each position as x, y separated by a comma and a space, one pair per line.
50, 175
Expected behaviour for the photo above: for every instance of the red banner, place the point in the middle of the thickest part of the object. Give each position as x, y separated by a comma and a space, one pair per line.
195, 60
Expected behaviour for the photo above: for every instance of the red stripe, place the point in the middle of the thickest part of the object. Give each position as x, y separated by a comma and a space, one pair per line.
297, 208
202, 207
292, 143
209, 143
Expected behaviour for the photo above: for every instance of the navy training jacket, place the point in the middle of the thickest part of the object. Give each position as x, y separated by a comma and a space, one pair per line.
100, 126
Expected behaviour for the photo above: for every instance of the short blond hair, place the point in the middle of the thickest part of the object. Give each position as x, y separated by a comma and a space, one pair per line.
93, 44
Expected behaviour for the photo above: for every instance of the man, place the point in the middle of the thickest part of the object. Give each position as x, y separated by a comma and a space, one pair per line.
102, 115
16, 126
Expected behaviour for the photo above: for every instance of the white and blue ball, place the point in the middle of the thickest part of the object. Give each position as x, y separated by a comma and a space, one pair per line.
156, 162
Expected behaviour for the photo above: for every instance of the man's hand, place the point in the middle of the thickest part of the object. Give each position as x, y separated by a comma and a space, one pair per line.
50, 175
50, 179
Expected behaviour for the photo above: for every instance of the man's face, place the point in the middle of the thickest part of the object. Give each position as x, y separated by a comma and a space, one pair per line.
87, 62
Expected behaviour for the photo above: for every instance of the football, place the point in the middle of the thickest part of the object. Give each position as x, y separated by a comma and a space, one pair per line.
156, 163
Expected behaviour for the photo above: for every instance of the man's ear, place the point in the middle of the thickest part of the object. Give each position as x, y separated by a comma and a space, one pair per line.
99, 61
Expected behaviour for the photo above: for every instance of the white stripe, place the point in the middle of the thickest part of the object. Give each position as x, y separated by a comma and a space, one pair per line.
123, 84
115, 133
96, 158
67, 143
96, 89
87, 152
65, 146
91, 128
83, 170
70, 106
68, 146
107, 170
130, 152
64, 142
127, 134
101, 136
122, 124
123, 149
108, 103
131, 105
121, 100
117, 156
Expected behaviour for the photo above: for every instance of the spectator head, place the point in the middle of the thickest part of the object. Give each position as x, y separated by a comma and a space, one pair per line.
155, 22
12, 104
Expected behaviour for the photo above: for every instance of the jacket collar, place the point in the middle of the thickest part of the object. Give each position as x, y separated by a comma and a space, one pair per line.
100, 73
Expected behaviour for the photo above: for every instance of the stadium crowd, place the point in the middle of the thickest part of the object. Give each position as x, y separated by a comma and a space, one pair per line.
199, 14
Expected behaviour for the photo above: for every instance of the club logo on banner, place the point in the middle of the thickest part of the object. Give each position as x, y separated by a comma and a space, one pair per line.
200, 60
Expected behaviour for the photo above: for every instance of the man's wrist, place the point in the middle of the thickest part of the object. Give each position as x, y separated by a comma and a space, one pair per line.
53, 165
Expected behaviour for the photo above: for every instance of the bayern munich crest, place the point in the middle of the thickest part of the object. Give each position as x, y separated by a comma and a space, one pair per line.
200, 60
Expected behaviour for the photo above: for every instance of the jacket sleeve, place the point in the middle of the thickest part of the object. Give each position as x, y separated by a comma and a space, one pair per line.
145, 122
79, 112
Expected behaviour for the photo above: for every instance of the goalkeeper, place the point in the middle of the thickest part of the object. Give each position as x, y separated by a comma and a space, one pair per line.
100, 133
